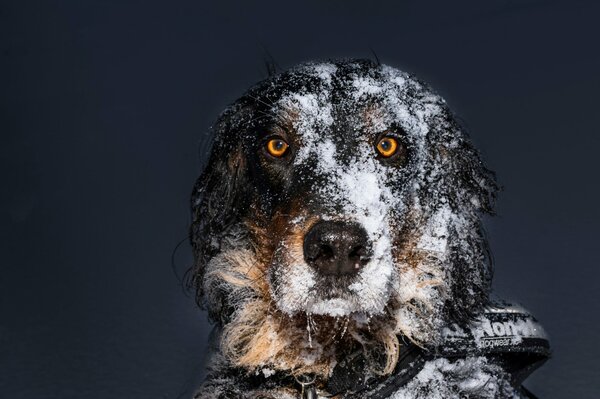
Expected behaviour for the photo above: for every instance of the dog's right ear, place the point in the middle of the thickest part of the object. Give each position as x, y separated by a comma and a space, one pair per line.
220, 195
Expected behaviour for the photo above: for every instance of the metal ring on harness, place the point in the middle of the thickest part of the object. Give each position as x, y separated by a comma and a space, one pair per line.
307, 382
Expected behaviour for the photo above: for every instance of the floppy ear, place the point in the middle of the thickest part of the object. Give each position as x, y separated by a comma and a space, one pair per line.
475, 184
469, 188
219, 198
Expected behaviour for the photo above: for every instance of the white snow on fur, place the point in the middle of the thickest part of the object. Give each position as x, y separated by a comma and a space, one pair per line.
360, 187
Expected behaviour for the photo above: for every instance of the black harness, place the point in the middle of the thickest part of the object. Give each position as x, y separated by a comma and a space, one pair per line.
505, 334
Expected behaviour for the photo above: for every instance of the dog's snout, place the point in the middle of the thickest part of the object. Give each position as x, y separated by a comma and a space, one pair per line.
337, 248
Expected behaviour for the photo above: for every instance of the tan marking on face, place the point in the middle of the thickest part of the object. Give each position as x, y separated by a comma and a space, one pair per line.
236, 161
405, 241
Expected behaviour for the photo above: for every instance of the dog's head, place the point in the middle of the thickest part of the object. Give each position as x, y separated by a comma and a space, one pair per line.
339, 196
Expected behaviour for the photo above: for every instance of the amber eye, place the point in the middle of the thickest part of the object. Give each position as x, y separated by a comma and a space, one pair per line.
387, 146
277, 147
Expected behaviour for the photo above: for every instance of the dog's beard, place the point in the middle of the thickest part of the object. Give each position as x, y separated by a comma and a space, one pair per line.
258, 334
411, 288
262, 332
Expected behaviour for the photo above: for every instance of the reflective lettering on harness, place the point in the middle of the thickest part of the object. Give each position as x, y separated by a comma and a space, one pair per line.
488, 331
498, 328
495, 342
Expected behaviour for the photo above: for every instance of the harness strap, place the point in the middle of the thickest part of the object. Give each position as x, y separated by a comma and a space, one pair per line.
505, 333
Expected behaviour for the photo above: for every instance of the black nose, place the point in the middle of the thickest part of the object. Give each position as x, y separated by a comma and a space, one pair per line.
337, 248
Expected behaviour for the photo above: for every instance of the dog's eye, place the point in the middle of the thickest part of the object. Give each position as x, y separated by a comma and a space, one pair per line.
277, 147
387, 146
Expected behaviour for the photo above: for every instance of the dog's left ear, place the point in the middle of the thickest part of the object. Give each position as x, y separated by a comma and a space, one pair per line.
469, 188
472, 184
463, 180
220, 195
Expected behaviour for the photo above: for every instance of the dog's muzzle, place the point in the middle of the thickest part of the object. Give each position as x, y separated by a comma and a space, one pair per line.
336, 248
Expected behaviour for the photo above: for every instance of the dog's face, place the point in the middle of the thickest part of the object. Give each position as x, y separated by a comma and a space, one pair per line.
342, 190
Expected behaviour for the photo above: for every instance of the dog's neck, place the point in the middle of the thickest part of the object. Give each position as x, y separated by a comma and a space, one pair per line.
350, 378
503, 338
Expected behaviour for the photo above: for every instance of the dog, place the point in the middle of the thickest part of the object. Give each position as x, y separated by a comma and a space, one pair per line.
339, 218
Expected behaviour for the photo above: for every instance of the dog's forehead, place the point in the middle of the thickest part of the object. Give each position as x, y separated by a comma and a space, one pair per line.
348, 103
335, 113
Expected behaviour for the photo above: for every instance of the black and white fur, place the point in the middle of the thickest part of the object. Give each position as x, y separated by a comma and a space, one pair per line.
430, 264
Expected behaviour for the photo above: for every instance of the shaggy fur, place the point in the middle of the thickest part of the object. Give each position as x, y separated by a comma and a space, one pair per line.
421, 211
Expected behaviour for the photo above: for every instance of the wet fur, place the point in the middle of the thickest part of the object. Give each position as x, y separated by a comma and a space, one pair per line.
236, 233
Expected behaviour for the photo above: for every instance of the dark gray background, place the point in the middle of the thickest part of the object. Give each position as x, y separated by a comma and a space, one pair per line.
105, 107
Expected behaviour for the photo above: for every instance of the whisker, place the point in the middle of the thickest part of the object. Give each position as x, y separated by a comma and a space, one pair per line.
264, 103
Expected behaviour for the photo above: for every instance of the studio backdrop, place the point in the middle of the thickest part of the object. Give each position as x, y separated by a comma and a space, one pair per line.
105, 109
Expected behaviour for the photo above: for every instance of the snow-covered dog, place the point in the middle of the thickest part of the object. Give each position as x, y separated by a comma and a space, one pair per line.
338, 241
